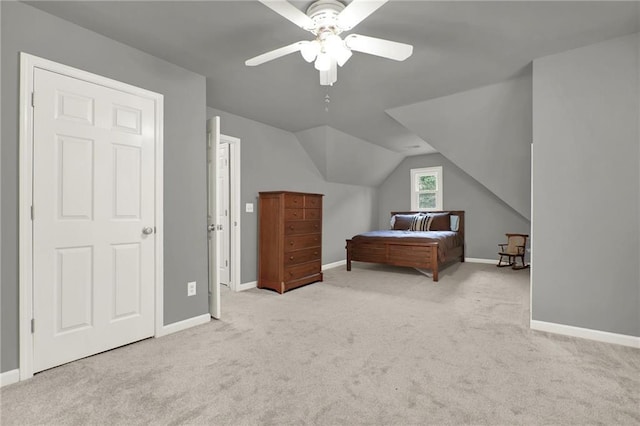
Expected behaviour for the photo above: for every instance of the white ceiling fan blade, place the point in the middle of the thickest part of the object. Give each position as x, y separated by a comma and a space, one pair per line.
379, 47
275, 54
290, 12
356, 12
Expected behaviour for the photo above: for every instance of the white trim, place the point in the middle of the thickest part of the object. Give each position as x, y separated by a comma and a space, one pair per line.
437, 170
586, 333
184, 324
531, 242
159, 212
25, 278
28, 64
235, 196
334, 264
478, 260
9, 377
247, 286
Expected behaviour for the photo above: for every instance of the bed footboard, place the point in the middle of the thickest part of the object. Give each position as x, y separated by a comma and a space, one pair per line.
415, 255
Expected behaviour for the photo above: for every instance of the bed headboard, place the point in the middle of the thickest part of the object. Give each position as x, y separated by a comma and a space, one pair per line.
459, 213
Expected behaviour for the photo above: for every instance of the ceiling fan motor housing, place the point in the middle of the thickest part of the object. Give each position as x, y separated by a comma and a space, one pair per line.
324, 14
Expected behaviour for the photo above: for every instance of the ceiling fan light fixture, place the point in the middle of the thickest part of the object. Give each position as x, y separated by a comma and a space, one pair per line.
323, 62
342, 55
310, 50
336, 47
330, 76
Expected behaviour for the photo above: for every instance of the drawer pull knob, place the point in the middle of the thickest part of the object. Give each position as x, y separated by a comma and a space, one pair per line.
315, 253
295, 214
290, 273
291, 243
316, 226
291, 227
290, 257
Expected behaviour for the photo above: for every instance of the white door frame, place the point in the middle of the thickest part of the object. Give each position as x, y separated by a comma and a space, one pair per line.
213, 214
234, 203
28, 64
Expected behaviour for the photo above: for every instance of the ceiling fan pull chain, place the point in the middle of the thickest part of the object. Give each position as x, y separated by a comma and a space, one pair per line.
327, 100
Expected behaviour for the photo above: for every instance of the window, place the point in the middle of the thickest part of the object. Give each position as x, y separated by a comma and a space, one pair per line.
426, 189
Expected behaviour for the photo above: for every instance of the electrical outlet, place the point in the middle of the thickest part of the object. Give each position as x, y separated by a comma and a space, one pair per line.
191, 288
248, 207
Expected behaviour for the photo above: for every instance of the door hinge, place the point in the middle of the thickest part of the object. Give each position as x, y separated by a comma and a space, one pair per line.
32, 213
33, 325
33, 99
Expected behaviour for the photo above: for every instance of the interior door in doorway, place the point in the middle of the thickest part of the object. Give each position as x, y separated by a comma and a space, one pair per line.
224, 218
92, 219
213, 213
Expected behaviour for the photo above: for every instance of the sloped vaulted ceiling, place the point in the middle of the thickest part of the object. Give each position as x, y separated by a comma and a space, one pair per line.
458, 46
487, 132
342, 158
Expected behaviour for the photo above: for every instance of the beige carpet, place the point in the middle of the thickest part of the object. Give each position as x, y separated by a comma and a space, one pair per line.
377, 345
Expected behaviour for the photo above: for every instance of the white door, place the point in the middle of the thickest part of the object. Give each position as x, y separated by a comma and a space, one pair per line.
223, 211
213, 147
93, 222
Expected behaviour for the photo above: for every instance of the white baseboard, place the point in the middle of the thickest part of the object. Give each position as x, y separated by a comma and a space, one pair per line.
9, 377
478, 260
586, 333
334, 264
184, 324
247, 286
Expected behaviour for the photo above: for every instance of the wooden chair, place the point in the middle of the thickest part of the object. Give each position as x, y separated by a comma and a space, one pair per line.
513, 249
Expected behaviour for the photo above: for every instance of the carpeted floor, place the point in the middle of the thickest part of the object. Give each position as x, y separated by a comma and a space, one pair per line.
377, 345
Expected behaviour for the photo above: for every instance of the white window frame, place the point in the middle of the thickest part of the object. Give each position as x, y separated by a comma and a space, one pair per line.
415, 174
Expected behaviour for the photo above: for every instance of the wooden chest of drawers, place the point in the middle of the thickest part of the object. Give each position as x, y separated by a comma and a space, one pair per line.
290, 240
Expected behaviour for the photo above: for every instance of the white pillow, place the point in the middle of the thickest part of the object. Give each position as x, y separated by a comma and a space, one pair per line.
454, 222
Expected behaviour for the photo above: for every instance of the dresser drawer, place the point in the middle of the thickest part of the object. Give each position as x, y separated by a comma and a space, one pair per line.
312, 214
302, 256
294, 214
293, 201
312, 201
302, 227
297, 242
292, 273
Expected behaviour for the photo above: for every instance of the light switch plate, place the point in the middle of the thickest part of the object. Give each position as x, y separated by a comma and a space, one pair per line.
249, 207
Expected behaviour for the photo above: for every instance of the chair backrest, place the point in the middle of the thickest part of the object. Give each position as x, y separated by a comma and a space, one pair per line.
514, 241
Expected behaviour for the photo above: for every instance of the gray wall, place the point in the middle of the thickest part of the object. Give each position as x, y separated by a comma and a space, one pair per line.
486, 132
30, 30
586, 187
272, 159
487, 218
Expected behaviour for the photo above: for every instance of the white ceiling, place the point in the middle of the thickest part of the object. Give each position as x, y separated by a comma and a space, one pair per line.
457, 46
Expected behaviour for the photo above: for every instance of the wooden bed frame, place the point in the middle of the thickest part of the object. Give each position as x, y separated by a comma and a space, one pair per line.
411, 254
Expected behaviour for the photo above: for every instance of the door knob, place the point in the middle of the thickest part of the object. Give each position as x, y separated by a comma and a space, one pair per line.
211, 228
147, 230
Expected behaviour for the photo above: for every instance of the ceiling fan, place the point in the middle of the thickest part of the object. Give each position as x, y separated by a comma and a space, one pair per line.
326, 20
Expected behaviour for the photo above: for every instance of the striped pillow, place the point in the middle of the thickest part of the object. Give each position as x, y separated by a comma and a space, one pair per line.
421, 222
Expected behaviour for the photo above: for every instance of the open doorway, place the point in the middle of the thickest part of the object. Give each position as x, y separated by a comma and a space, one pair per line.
223, 181
228, 185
